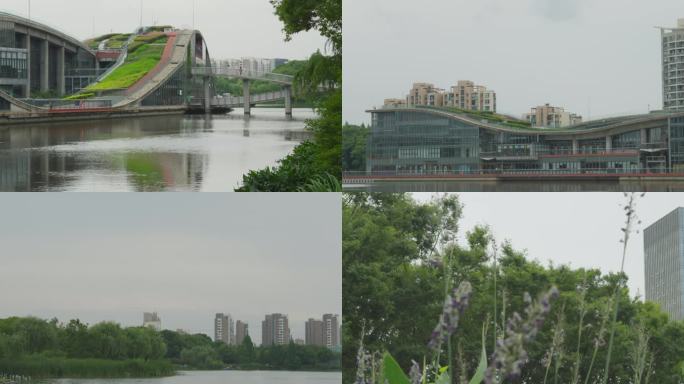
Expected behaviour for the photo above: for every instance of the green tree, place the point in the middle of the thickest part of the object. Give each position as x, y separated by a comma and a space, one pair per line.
108, 341
203, 357
394, 250
354, 142
247, 352
75, 339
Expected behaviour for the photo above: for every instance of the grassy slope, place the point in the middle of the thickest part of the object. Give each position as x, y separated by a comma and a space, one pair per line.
143, 55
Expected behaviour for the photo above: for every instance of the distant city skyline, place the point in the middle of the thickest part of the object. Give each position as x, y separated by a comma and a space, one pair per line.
184, 256
232, 28
578, 54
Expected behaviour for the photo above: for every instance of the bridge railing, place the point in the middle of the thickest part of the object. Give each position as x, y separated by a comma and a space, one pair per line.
230, 100
242, 74
61, 104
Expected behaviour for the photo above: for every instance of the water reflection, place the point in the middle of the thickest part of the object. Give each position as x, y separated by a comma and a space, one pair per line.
168, 153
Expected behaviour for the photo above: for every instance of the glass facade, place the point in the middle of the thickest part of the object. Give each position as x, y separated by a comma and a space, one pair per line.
676, 129
170, 93
664, 263
411, 142
13, 63
7, 35
417, 143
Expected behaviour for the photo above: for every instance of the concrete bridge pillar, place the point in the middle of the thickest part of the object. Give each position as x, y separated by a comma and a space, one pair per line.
60, 71
609, 143
207, 96
288, 100
44, 65
575, 146
246, 96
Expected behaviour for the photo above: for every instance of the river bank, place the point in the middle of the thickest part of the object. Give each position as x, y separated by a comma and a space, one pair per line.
57, 367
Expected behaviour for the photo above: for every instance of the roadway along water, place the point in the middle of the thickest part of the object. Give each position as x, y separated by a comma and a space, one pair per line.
518, 186
223, 377
169, 153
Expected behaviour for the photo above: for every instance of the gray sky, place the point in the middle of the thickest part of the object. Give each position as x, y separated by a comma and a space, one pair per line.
232, 28
186, 256
577, 229
597, 55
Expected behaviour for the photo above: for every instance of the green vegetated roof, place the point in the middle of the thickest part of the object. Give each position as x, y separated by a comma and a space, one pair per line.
114, 40
489, 117
144, 53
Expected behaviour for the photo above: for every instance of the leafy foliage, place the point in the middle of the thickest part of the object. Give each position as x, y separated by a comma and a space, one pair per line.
39, 348
354, 142
392, 294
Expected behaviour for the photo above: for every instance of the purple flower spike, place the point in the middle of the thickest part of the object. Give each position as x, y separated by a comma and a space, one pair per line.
510, 354
454, 306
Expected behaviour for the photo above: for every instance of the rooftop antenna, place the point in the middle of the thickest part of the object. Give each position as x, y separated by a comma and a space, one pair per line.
193, 15
29, 9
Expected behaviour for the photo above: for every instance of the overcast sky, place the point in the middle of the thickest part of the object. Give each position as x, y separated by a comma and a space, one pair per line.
577, 229
186, 256
593, 57
232, 28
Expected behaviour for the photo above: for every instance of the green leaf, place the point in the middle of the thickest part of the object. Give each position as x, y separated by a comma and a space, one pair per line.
392, 371
444, 377
478, 377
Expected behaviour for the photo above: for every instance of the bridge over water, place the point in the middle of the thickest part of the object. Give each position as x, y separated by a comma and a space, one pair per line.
247, 76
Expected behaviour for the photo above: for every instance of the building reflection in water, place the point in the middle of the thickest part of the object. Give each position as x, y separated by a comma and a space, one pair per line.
29, 162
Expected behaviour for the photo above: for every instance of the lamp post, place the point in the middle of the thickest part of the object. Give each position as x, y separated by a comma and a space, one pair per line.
193, 14
141, 13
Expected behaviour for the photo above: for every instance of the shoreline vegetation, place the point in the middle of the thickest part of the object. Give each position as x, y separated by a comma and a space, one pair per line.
313, 166
31, 347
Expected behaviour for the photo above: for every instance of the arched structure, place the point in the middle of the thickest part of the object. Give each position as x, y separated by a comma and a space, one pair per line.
37, 58
423, 141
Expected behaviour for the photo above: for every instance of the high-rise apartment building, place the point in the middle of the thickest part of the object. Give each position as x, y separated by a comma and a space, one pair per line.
673, 66
664, 262
548, 116
465, 95
425, 94
241, 331
275, 330
324, 333
314, 332
224, 329
152, 320
470, 97
330, 330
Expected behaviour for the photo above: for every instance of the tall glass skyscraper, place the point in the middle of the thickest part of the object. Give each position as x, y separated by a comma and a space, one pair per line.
664, 259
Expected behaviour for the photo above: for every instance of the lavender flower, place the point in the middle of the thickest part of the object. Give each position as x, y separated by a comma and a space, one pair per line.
510, 354
454, 305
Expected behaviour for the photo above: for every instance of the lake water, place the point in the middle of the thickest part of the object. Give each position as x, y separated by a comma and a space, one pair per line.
223, 377
169, 153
